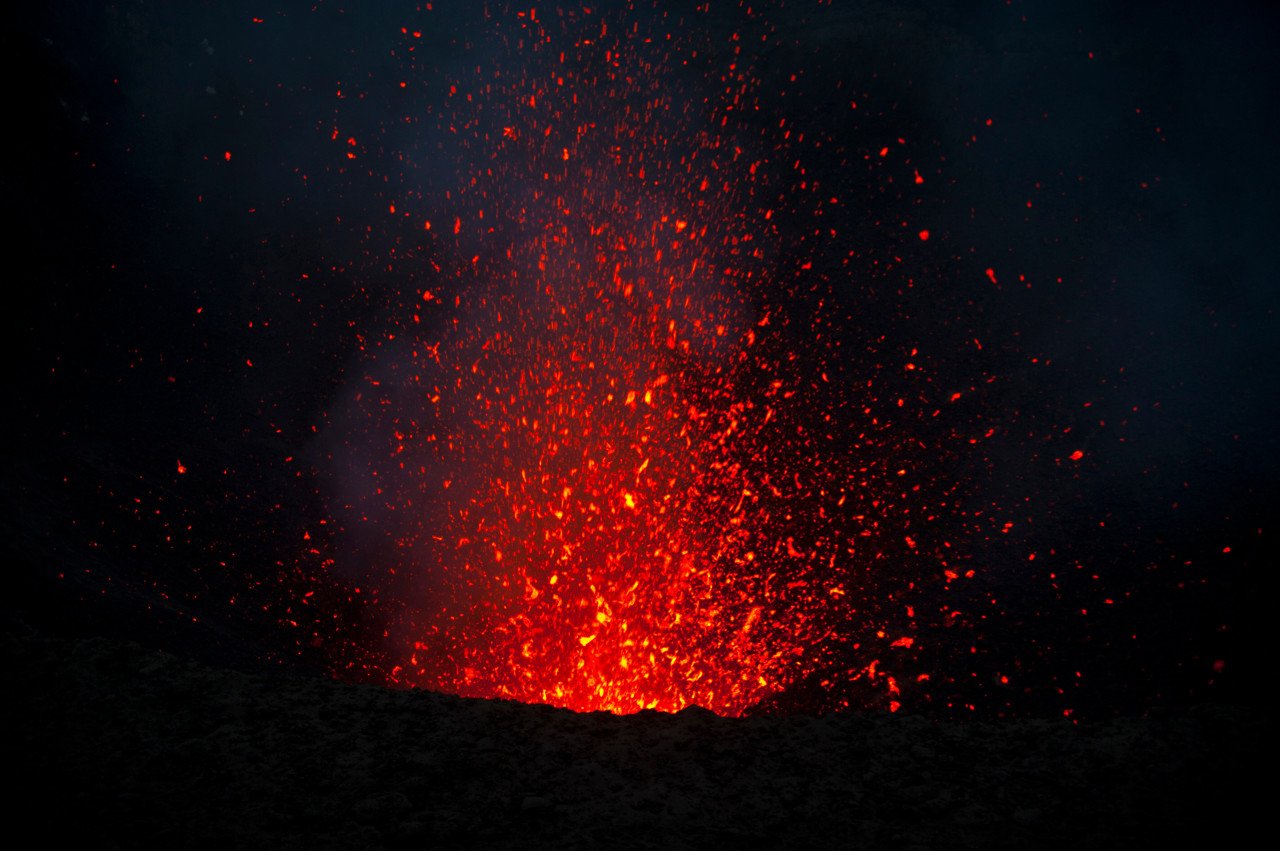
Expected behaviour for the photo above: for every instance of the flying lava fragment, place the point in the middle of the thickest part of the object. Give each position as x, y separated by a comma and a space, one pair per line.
599, 463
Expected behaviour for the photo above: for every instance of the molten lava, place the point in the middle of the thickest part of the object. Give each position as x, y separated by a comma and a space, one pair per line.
608, 453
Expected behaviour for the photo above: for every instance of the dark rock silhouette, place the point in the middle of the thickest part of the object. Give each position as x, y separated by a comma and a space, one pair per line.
119, 746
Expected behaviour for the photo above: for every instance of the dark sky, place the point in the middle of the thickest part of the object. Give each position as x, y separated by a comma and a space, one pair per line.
197, 266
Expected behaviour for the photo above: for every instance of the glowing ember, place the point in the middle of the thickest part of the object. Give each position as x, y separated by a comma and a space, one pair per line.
618, 475
768, 356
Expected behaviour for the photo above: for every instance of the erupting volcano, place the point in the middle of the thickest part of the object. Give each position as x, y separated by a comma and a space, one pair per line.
430, 418
601, 451
767, 358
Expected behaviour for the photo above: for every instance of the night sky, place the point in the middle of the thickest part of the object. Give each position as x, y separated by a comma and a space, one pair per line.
1001, 274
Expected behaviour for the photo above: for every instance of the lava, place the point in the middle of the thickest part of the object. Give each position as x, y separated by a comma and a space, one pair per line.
770, 356
612, 465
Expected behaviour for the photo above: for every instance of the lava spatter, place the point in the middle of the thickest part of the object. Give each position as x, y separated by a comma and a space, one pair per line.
611, 465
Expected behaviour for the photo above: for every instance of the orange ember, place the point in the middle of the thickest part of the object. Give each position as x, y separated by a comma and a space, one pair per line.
608, 505
616, 451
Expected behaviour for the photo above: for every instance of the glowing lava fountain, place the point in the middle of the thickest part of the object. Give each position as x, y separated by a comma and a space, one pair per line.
601, 450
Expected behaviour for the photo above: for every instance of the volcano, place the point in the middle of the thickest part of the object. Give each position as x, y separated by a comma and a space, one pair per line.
740, 363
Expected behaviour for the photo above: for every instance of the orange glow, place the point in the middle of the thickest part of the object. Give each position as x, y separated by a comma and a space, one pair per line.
604, 430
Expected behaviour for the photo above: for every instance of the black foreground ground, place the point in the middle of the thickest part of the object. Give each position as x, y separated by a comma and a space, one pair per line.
118, 746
